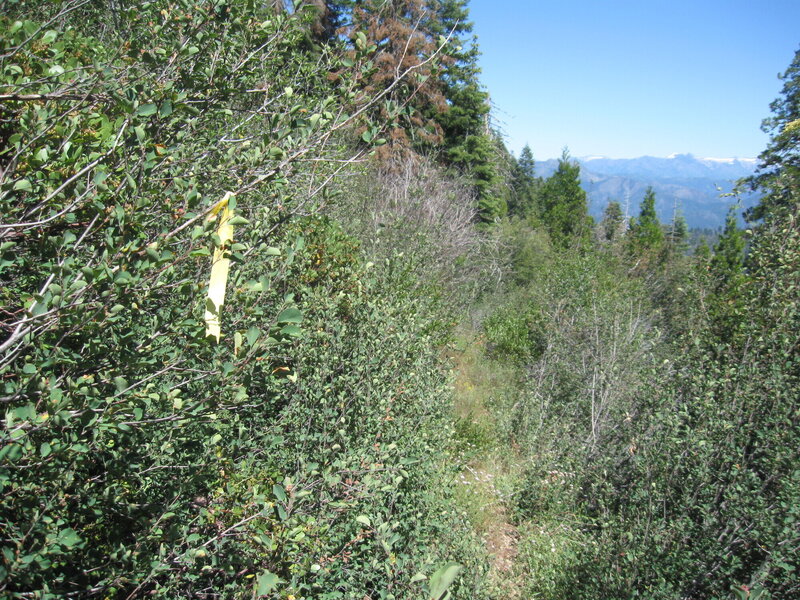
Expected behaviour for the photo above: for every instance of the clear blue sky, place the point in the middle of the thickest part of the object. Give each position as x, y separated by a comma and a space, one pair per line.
627, 78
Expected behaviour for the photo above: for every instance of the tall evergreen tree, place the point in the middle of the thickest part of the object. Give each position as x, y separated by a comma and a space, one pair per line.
527, 166
728, 260
468, 145
778, 173
678, 238
612, 221
480, 154
468, 102
322, 17
702, 253
726, 280
524, 186
564, 206
441, 107
646, 237
402, 33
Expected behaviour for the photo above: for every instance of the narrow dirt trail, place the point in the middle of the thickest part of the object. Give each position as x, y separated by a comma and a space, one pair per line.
501, 538
487, 473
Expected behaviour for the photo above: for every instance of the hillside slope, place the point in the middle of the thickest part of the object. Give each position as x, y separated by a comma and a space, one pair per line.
696, 186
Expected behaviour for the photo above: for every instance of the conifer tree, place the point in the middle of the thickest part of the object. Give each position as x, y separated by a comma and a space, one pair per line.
468, 102
468, 145
402, 33
728, 260
564, 206
527, 165
323, 18
524, 186
646, 236
612, 221
678, 238
702, 253
440, 108
778, 172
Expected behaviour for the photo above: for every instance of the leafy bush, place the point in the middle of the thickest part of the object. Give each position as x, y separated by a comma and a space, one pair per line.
551, 546
304, 454
515, 334
705, 500
595, 349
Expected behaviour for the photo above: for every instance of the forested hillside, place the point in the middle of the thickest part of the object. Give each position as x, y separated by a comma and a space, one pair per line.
281, 317
701, 188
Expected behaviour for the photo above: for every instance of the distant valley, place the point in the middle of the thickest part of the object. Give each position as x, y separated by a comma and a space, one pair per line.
695, 186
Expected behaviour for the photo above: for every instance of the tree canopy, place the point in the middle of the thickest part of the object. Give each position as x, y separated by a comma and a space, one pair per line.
778, 171
564, 205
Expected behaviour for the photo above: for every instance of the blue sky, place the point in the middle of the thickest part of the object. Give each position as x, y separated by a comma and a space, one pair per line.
627, 78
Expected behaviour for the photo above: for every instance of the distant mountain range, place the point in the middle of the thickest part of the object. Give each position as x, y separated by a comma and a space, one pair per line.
695, 186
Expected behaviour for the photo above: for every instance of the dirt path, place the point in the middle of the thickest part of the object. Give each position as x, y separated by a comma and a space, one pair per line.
483, 496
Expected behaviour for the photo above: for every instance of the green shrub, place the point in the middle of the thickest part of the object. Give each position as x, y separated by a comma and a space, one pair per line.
550, 548
515, 334
703, 500
304, 453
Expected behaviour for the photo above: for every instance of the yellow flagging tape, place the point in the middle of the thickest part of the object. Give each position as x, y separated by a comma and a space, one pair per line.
219, 267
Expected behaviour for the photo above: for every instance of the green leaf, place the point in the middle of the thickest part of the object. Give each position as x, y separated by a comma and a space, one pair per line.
166, 108
23, 185
49, 36
442, 579
146, 110
68, 537
364, 520
290, 315
39, 308
266, 582
252, 335
120, 383
291, 330
25, 413
279, 492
